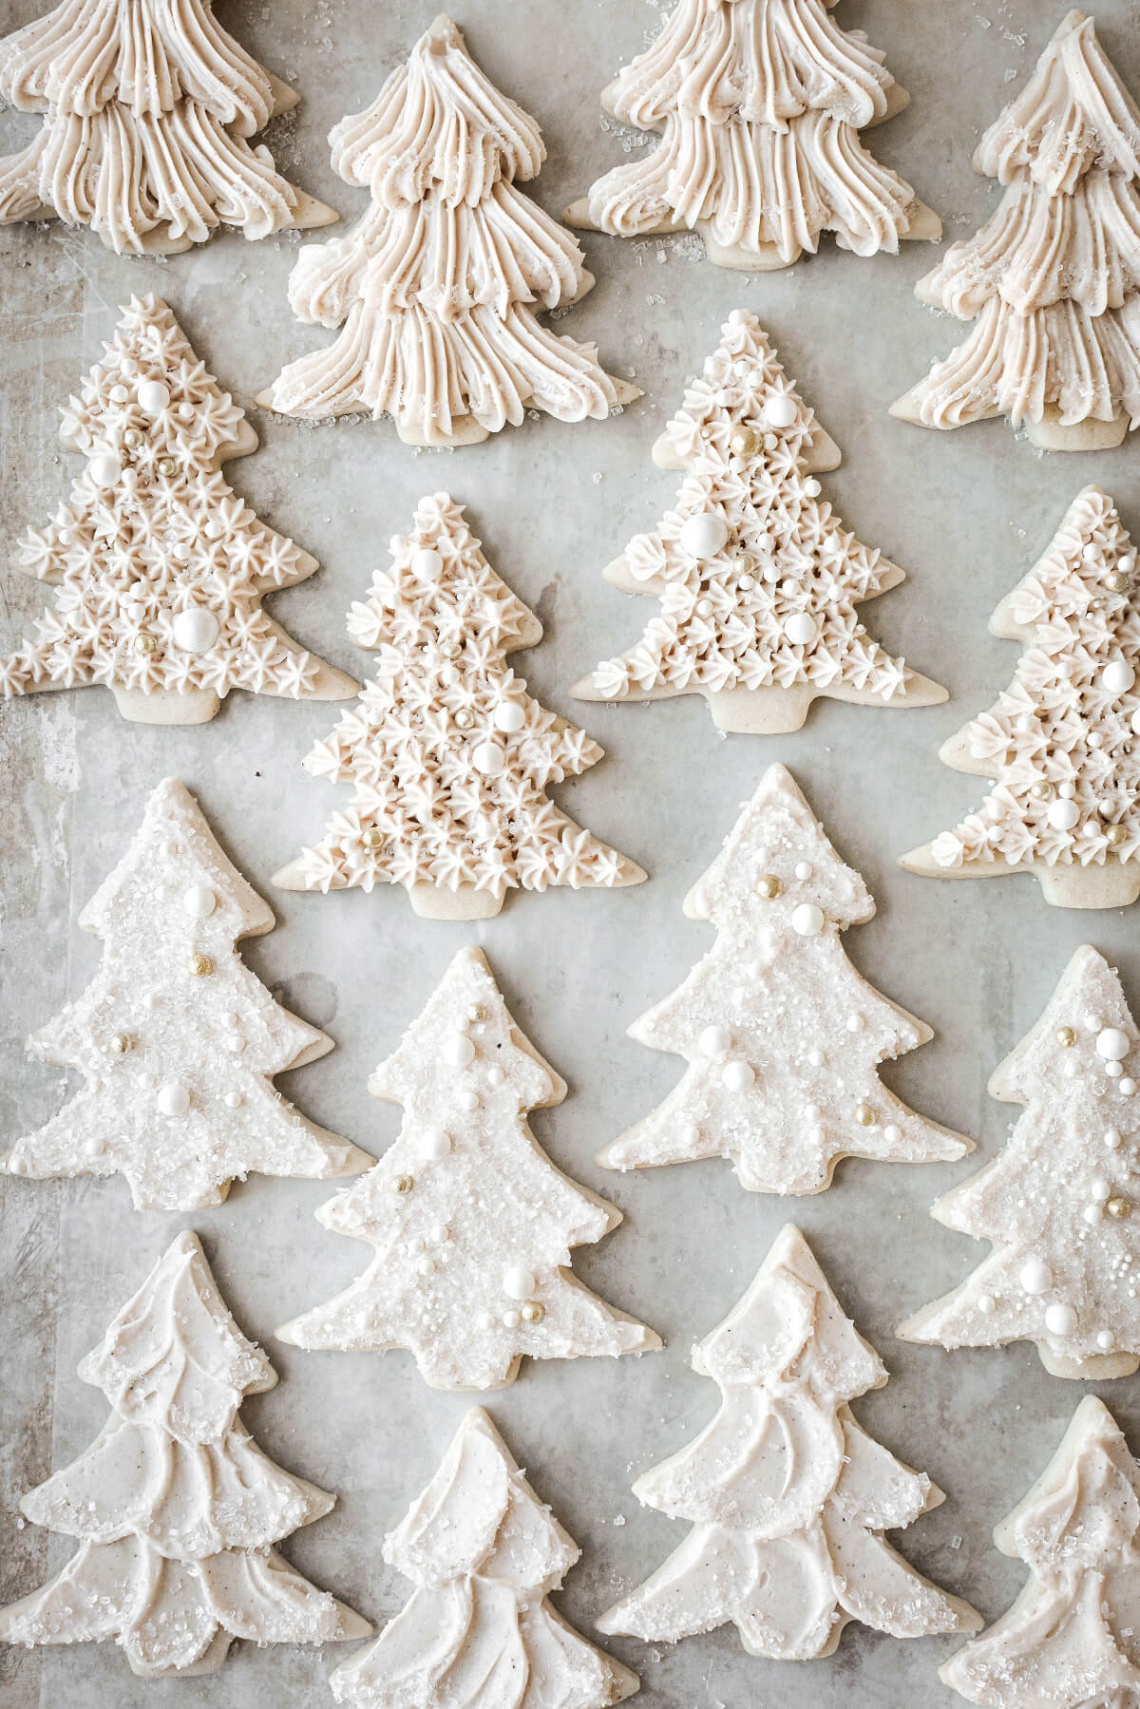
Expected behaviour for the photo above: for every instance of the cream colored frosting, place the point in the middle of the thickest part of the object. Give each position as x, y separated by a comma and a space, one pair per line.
1056, 1203
472, 1224
1070, 1639
148, 108
178, 1065
781, 1035
448, 756
153, 538
484, 1554
787, 1493
175, 1507
435, 284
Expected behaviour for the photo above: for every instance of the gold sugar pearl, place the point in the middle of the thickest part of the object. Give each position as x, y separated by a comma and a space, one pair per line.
1115, 835
1041, 791
200, 965
132, 438
864, 1115
402, 1183
464, 718
532, 1312
166, 466
1116, 581
145, 643
452, 650
1066, 1037
373, 839
769, 887
1118, 1207
120, 1044
743, 442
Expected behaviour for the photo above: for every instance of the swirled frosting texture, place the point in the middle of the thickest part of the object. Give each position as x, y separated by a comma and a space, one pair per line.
435, 284
759, 103
148, 108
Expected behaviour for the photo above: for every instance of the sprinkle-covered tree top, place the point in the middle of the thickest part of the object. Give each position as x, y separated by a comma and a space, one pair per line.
1060, 746
787, 1494
159, 568
484, 1554
448, 756
781, 1035
175, 1507
1058, 1202
759, 104
148, 107
1053, 277
758, 580
439, 283
473, 1225
176, 1039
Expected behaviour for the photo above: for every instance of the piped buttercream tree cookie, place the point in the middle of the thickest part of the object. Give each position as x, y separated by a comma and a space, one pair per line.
1060, 746
448, 756
781, 1034
1057, 1203
759, 104
788, 1496
1070, 1640
759, 582
472, 1224
159, 568
484, 1554
176, 1039
175, 1507
1053, 277
147, 111
438, 285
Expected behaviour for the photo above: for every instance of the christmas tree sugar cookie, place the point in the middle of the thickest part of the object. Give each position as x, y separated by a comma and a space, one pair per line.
782, 1037
175, 1507
758, 581
484, 1554
759, 104
472, 1225
437, 286
788, 1495
1061, 1203
147, 113
448, 756
1060, 746
176, 1039
159, 568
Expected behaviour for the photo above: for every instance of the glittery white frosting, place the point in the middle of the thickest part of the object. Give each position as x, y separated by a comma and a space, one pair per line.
175, 1506
473, 1226
781, 1035
483, 1553
1060, 1203
759, 103
448, 756
788, 1495
153, 539
773, 608
438, 283
1070, 1638
147, 109
176, 1039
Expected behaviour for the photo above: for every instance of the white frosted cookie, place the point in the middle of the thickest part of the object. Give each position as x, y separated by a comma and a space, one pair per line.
787, 1494
1053, 277
176, 1039
781, 1035
484, 1554
147, 115
159, 568
1059, 746
175, 1507
472, 1224
439, 283
448, 756
758, 580
759, 104
1058, 1202
1070, 1639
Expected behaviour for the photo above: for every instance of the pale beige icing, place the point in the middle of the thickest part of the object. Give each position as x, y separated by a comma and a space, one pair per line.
484, 1554
788, 1495
175, 1507
473, 1226
148, 107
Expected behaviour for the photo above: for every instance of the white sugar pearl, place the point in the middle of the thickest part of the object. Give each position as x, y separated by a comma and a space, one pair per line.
800, 628
232, 1100
807, 919
496, 1075
199, 901
1093, 1023
105, 469
426, 1267
1100, 1191
803, 871
704, 535
1117, 677
458, 1050
509, 717
518, 1282
892, 1134
153, 397
427, 564
1113, 1070
812, 487
195, 630
986, 1304
1091, 1214
1036, 1276
855, 1023
1072, 1068
510, 1320
118, 394
690, 1135
714, 1041
489, 758
737, 1076
1127, 1087
1112, 1044
173, 1099
780, 411
468, 1101
1112, 1138
812, 1112
1105, 1340
434, 1144
1060, 1319
486, 1320
815, 1057
1063, 815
